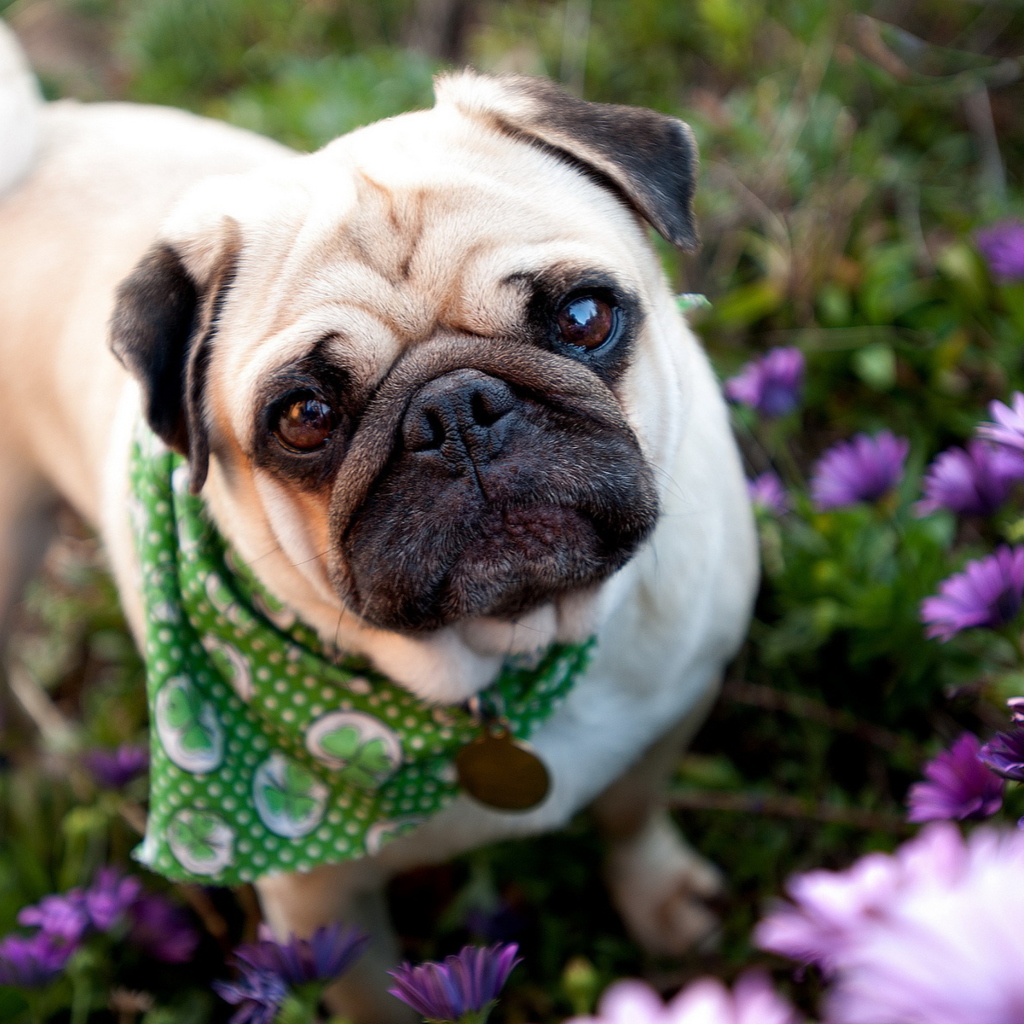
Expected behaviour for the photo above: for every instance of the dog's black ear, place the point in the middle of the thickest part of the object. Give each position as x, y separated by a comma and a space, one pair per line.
161, 331
648, 159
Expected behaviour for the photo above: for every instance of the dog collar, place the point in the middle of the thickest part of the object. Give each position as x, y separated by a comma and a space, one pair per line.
267, 755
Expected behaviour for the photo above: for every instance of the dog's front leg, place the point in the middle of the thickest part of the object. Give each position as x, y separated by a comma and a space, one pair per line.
656, 880
352, 892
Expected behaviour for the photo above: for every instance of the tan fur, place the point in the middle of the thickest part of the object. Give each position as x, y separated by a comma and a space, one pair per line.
399, 239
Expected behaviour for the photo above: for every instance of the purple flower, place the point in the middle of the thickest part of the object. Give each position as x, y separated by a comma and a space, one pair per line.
959, 786
1002, 245
32, 962
1008, 428
62, 917
987, 593
162, 929
66, 917
110, 896
770, 384
828, 910
948, 947
1004, 754
833, 911
325, 955
465, 985
116, 768
767, 494
972, 482
257, 994
862, 469
1016, 706
706, 1001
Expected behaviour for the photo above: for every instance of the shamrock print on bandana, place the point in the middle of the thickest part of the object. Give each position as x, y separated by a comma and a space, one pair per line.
289, 799
200, 840
384, 832
233, 665
188, 727
363, 747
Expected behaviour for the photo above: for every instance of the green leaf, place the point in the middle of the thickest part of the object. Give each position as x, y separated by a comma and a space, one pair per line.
876, 366
748, 303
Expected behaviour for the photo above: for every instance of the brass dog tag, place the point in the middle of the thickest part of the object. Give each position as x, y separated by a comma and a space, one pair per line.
502, 773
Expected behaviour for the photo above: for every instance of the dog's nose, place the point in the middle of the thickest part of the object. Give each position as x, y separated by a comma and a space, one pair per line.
464, 415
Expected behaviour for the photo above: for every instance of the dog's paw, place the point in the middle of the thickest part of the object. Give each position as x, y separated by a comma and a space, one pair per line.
658, 885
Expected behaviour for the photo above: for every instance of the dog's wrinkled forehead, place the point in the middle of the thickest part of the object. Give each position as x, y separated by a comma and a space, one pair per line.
421, 224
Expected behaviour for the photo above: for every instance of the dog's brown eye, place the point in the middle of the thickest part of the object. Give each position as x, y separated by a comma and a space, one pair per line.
586, 321
305, 424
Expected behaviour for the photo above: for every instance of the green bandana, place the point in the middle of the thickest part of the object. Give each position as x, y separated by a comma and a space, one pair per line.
266, 754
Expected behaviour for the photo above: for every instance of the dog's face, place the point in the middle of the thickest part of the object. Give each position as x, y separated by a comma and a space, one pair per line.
416, 361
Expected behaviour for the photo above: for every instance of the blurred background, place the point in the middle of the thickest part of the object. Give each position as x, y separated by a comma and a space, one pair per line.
850, 151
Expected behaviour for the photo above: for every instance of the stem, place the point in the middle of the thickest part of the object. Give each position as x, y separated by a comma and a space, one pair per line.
35, 1007
81, 994
783, 805
301, 1005
773, 439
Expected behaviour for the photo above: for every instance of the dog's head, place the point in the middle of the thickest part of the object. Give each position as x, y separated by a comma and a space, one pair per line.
424, 361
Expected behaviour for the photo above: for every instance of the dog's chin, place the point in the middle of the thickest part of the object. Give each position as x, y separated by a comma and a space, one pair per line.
512, 565
526, 634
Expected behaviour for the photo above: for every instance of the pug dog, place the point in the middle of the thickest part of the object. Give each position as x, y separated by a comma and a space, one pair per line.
435, 391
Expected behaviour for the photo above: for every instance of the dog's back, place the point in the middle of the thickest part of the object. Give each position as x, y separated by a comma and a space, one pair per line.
19, 103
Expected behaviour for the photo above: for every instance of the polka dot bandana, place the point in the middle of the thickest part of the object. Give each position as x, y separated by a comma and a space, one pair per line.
267, 754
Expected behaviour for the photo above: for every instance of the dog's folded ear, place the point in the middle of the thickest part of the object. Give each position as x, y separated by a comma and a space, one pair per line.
648, 159
163, 324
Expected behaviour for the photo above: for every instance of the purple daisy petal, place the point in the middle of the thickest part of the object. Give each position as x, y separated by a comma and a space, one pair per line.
1002, 245
940, 943
862, 469
827, 910
116, 768
32, 961
466, 983
327, 954
704, 1001
987, 593
959, 786
1008, 428
770, 384
257, 994
63, 917
971, 481
768, 495
1004, 754
110, 896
